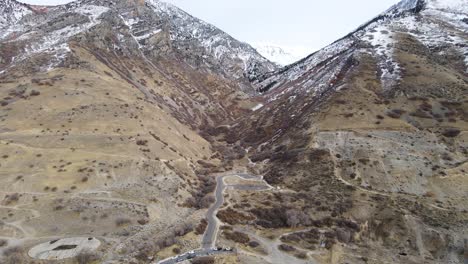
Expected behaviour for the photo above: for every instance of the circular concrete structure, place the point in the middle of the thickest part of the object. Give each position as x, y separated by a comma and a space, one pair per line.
64, 248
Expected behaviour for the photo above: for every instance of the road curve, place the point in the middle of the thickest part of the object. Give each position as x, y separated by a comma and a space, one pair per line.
209, 238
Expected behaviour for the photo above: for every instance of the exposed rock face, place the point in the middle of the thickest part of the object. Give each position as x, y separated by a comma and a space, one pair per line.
11, 12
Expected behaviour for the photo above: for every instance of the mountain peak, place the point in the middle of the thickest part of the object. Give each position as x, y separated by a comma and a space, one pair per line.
406, 6
416, 6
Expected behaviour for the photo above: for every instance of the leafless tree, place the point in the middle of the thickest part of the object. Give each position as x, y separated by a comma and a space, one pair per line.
297, 218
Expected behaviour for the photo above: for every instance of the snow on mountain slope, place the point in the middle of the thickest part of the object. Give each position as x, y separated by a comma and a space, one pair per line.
11, 12
55, 42
195, 40
455, 6
185, 28
280, 55
440, 25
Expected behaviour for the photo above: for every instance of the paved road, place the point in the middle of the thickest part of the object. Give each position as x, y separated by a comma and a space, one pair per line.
211, 232
193, 254
209, 238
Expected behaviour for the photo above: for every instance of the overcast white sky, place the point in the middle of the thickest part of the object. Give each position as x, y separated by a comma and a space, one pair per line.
305, 25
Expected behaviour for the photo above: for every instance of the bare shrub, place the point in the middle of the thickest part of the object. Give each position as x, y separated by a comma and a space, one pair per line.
311, 237
200, 229
142, 221
297, 218
87, 257
12, 250
426, 106
199, 197
254, 244
11, 198
108, 74
286, 248
3, 242
142, 142
395, 113
121, 221
233, 217
205, 164
451, 132
204, 260
14, 255
301, 255
35, 93
421, 114
271, 217
206, 201
183, 229
237, 237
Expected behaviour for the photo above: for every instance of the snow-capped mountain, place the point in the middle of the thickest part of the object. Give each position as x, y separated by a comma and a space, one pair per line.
280, 55
143, 24
440, 26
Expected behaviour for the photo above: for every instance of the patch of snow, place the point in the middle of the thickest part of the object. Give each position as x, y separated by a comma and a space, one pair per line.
204, 36
281, 55
381, 38
92, 11
257, 107
55, 42
456, 6
434, 35
11, 12
138, 38
59, 55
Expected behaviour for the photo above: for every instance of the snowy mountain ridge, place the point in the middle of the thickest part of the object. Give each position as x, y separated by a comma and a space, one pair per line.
454, 6
426, 20
51, 30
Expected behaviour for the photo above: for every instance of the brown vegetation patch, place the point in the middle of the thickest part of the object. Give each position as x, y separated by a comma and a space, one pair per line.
451, 132
234, 217
395, 113
237, 237
203, 260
